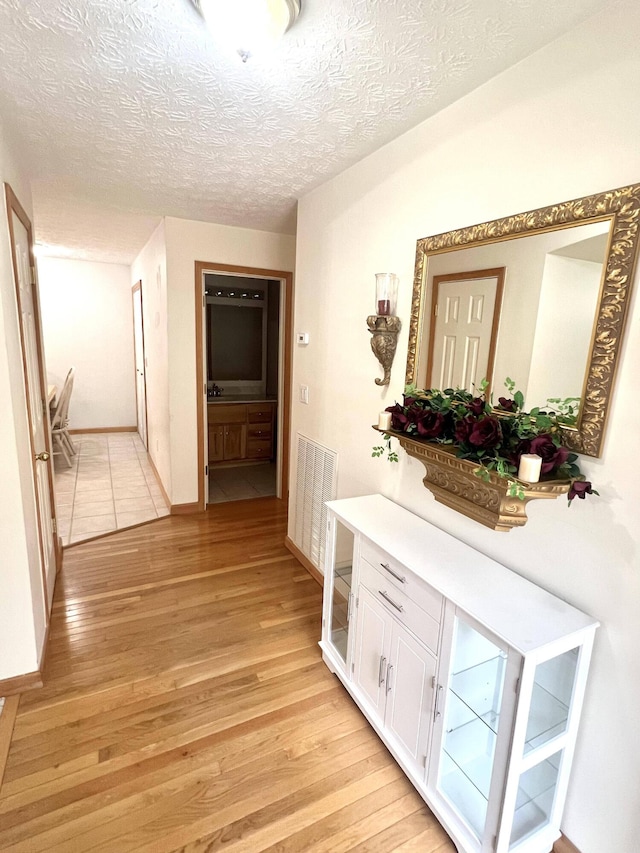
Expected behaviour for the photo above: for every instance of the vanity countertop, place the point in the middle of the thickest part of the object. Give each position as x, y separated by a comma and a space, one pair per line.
239, 398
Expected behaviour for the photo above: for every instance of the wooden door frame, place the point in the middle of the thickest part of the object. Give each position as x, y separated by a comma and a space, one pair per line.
286, 333
14, 206
138, 286
495, 272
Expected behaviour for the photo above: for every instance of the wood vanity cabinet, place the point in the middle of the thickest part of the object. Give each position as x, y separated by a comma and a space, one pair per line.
472, 676
240, 432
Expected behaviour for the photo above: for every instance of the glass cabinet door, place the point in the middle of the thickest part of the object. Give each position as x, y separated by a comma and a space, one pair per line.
547, 721
341, 593
472, 713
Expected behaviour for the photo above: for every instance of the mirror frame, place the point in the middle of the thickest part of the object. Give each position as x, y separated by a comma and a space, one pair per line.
622, 208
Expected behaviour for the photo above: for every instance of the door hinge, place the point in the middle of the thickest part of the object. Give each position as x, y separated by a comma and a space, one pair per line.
54, 525
206, 470
435, 310
494, 842
516, 685
324, 622
357, 601
353, 666
44, 407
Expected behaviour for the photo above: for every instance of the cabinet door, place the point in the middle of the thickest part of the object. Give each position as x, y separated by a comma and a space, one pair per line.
338, 594
234, 441
373, 646
410, 686
471, 737
216, 443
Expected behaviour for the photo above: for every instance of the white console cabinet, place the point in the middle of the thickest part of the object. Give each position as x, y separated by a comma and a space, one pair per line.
472, 676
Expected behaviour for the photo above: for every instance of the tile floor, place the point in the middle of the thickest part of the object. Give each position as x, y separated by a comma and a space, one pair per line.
110, 485
242, 483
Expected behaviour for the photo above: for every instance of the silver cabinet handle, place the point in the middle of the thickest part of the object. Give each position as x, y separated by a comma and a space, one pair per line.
436, 710
388, 598
389, 671
381, 670
398, 577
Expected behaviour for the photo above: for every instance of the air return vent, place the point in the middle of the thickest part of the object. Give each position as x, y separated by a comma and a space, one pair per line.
315, 484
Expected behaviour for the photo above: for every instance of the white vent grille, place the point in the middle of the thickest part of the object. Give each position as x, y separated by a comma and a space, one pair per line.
316, 483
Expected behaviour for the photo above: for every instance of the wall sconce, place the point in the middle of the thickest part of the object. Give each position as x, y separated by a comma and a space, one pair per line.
384, 325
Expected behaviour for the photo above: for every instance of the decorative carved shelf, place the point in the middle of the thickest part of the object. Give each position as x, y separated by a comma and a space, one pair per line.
454, 484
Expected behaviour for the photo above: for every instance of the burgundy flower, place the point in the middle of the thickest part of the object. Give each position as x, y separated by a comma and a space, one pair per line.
552, 455
399, 420
580, 488
486, 433
429, 424
463, 429
507, 405
476, 406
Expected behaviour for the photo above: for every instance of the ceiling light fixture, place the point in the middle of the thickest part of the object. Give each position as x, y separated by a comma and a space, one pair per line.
249, 26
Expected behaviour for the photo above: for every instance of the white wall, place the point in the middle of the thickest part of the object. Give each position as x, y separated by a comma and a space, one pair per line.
87, 320
562, 124
189, 241
150, 267
22, 605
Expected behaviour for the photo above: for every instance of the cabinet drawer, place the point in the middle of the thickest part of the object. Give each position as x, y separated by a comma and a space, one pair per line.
258, 449
259, 413
261, 431
217, 414
406, 611
400, 578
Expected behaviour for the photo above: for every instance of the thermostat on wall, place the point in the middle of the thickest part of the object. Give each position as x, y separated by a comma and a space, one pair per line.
302, 338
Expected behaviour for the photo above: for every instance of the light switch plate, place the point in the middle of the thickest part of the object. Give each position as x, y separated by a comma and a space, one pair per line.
304, 394
302, 338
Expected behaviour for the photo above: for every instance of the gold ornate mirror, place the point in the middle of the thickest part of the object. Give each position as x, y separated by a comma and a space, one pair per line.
568, 271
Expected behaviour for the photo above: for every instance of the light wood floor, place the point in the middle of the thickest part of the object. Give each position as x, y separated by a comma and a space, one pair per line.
186, 707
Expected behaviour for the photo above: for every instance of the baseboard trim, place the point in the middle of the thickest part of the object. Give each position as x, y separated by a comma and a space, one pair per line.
103, 429
290, 545
20, 683
186, 509
159, 479
7, 722
563, 845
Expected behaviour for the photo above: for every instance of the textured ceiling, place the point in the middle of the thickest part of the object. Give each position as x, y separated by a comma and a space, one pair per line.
128, 110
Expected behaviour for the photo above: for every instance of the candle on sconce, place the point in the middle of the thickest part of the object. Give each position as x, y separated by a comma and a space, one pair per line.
384, 420
529, 468
386, 293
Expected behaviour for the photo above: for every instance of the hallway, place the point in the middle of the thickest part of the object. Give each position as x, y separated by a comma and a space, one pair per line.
186, 707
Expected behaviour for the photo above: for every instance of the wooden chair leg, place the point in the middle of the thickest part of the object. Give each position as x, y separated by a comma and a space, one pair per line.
57, 437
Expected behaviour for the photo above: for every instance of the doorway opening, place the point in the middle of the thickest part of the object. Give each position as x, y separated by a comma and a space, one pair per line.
243, 335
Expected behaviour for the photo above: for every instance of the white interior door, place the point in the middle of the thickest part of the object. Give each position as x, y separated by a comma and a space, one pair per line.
138, 343
37, 405
463, 331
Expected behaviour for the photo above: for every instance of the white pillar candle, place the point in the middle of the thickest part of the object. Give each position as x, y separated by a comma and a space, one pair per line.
384, 420
529, 469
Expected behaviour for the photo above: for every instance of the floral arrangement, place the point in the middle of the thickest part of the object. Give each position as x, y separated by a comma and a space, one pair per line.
495, 438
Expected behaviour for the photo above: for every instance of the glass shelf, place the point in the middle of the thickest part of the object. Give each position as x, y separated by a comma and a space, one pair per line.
534, 801
550, 699
547, 718
479, 687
